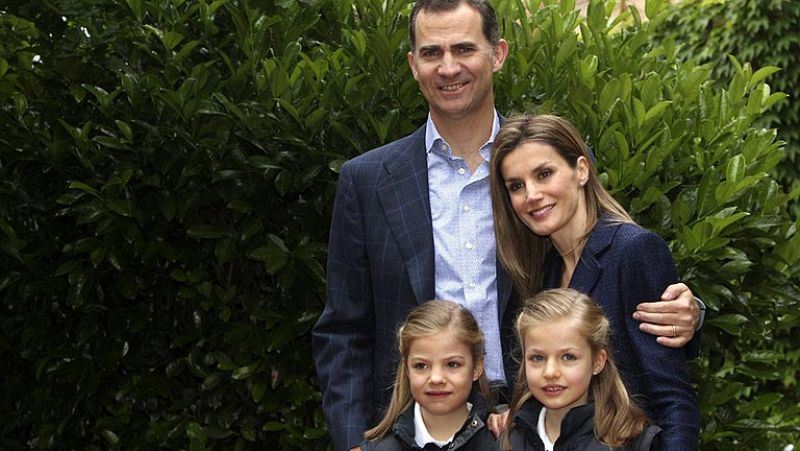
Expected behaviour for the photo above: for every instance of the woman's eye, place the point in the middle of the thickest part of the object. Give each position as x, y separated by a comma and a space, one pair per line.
544, 173
535, 358
453, 364
570, 357
419, 366
514, 186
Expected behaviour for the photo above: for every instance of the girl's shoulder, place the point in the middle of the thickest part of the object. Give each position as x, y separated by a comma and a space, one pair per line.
387, 443
648, 440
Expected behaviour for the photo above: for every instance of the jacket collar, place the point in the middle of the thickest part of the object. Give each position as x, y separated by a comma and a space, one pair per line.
576, 422
588, 271
476, 420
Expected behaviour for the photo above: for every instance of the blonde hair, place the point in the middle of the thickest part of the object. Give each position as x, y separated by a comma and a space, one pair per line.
426, 320
520, 250
618, 420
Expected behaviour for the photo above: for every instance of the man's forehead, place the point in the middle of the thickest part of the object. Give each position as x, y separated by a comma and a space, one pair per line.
463, 23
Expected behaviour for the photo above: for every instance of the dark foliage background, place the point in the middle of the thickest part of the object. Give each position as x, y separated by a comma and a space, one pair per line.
166, 176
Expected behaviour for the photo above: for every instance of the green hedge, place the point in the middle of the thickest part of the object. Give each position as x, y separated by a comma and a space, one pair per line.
766, 33
166, 175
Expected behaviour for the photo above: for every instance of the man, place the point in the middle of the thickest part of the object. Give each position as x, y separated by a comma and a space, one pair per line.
412, 222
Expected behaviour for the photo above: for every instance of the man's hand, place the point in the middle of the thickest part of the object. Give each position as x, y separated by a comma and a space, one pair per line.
497, 422
673, 319
357, 448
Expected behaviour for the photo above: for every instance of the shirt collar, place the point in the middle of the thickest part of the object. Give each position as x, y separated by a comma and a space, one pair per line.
432, 135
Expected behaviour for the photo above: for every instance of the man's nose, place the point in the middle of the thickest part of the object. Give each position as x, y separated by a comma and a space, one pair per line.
449, 65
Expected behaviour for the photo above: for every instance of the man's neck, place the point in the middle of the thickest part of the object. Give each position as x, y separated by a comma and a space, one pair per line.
466, 135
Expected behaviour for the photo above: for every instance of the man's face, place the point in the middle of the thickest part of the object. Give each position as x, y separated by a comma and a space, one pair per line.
454, 62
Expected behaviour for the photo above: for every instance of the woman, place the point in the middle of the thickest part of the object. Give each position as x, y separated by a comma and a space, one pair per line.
556, 226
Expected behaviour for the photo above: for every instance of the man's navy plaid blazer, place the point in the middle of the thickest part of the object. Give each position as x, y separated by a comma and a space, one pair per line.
380, 265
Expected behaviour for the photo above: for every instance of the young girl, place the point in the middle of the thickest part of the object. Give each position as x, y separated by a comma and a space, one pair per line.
439, 390
569, 395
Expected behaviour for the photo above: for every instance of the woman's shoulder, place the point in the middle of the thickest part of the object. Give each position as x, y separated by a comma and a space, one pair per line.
631, 236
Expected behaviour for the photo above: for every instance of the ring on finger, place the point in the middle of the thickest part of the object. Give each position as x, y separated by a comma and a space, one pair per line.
674, 331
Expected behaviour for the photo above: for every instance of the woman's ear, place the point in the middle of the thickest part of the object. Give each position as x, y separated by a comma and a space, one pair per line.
582, 170
599, 361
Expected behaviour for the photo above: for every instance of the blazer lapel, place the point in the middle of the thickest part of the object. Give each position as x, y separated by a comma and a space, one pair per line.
406, 204
589, 270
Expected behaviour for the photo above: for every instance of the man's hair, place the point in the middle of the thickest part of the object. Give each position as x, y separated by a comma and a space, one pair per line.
491, 29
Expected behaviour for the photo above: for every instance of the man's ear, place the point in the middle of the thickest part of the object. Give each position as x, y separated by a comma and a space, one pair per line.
412, 64
499, 55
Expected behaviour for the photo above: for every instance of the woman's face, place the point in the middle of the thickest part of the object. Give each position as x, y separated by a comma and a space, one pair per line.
545, 192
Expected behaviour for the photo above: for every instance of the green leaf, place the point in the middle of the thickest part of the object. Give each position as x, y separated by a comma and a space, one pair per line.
565, 50
258, 391
111, 438
207, 231
730, 323
736, 169
241, 373
763, 73
273, 426
275, 254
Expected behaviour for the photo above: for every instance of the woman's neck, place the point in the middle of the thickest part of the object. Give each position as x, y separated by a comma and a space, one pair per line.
569, 242
442, 427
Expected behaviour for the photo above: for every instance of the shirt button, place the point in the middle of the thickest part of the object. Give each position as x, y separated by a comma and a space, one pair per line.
443, 147
471, 285
462, 171
466, 208
469, 245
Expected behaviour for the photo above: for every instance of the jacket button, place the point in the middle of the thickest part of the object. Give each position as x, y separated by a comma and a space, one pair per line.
474, 423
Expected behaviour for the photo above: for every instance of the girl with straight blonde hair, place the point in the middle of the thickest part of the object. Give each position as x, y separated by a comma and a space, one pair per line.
440, 391
568, 382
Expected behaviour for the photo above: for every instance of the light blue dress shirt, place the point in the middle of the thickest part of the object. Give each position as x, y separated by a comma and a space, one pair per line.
463, 238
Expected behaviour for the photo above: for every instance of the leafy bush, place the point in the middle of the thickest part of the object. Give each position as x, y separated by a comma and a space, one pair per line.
166, 176
765, 33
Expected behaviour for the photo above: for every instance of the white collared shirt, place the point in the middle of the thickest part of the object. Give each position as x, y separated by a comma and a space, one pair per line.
463, 238
548, 445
